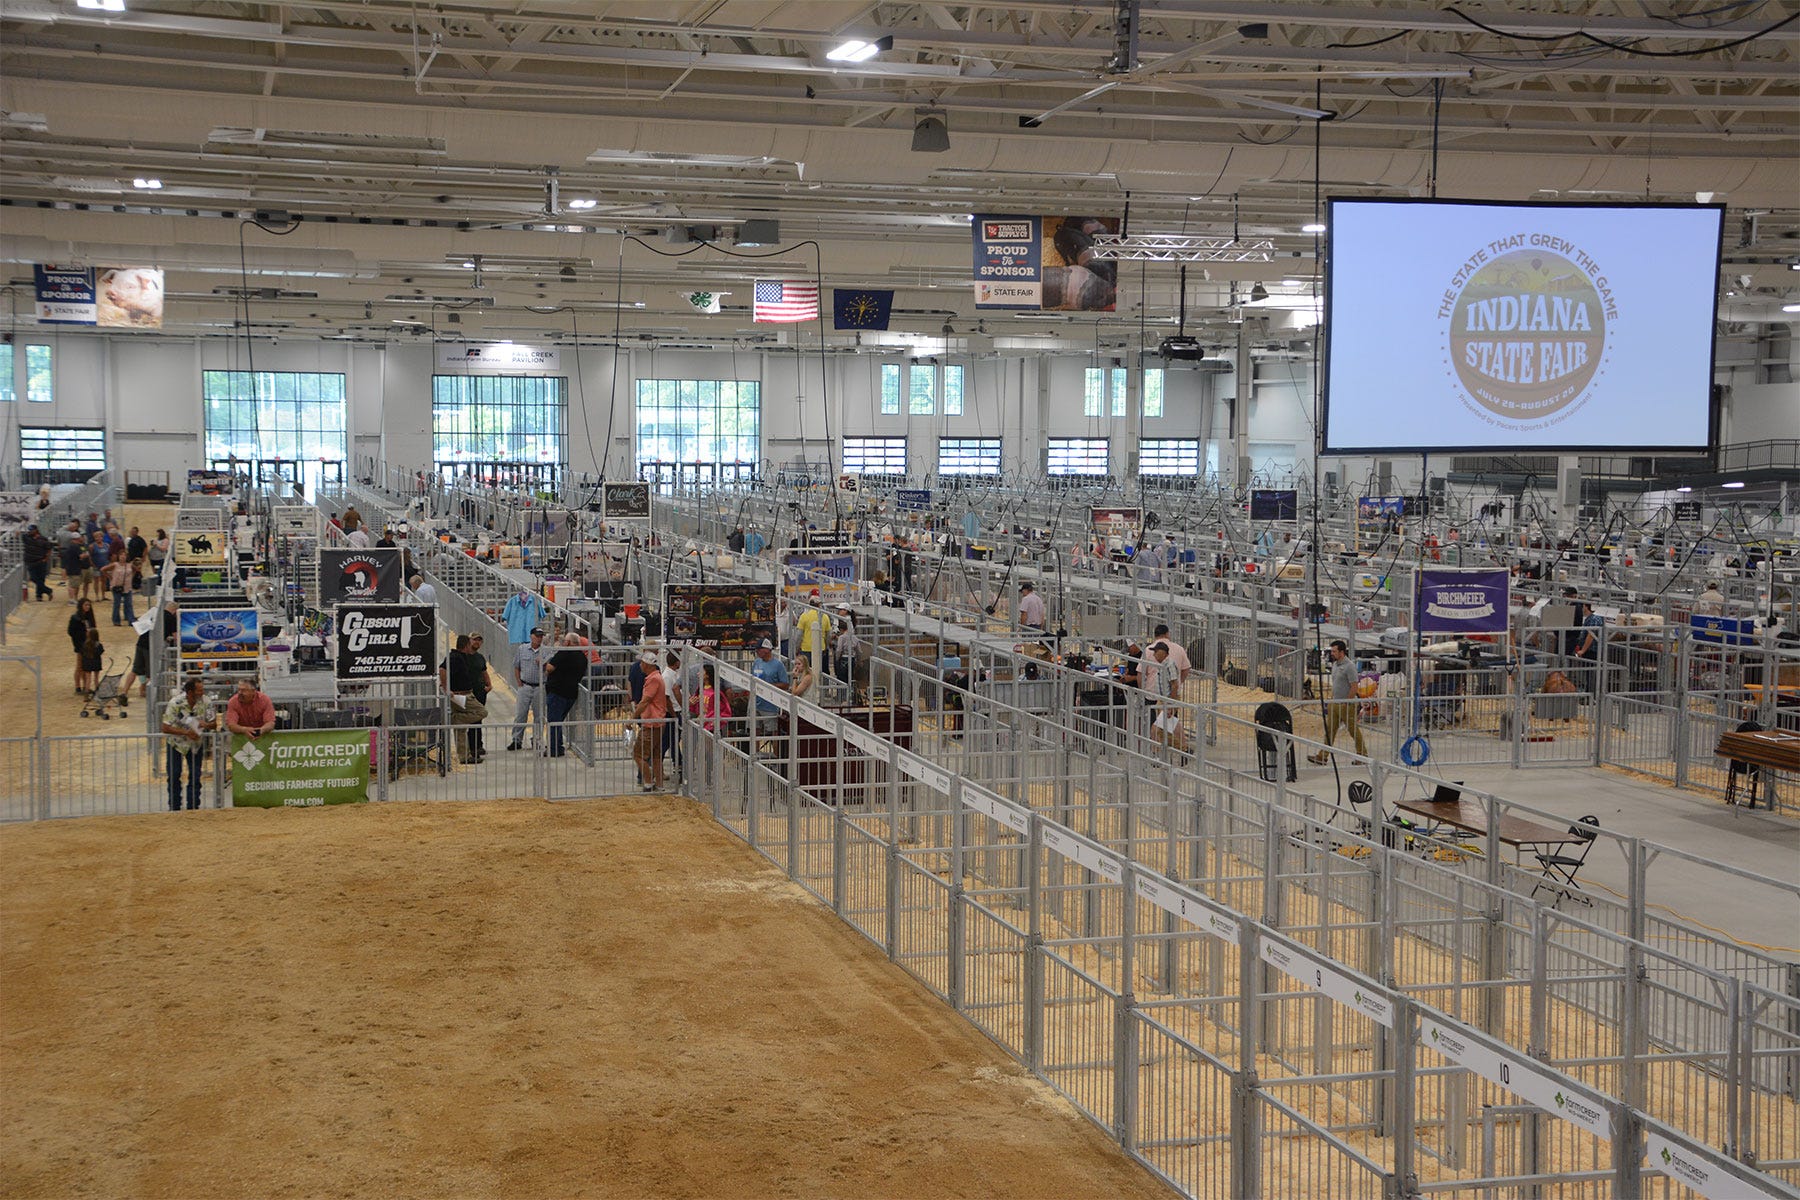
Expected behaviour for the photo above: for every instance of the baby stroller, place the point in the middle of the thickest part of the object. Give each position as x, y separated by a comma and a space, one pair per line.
108, 693
1273, 717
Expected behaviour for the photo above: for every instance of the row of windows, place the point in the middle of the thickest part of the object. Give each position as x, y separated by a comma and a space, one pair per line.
79, 452
925, 382
1108, 389
40, 374
981, 456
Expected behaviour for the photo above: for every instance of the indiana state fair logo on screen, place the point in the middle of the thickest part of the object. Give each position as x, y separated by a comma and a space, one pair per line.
1525, 322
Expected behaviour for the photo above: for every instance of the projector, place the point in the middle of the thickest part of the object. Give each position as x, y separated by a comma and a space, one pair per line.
1183, 349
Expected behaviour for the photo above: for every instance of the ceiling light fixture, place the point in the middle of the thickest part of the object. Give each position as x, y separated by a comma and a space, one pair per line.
1791, 307
1258, 293
102, 5
856, 50
1684, 489
1734, 484
145, 184
931, 133
1312, 227
583, 203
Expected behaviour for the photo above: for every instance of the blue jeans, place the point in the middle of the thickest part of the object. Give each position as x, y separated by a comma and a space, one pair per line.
123, 596
559, 708
176, 756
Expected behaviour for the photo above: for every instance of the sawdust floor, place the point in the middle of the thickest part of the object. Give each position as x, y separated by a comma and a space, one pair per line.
603, 998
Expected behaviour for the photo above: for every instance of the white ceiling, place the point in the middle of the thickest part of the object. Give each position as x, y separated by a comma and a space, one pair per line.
408, 139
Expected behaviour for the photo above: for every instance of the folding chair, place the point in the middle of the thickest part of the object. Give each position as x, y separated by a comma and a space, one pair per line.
1560, 868
1742, 778
415, 736
1272, 718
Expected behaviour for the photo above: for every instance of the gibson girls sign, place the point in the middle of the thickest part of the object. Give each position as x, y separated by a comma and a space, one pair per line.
1462, 602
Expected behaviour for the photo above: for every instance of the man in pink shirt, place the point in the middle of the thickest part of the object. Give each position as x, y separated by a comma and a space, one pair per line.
250, 712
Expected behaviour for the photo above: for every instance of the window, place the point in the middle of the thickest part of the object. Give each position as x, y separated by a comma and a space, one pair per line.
968, 456
7, 392
921, 390
953, 391
875, 456
75, 453
708, 421
890, 388
1153, 391
40, 374
293, 416
1097, 384
1168, 456
1077, 456
515, 419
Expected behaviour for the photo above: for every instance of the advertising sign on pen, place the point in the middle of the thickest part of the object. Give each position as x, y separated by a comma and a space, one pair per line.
1462, 602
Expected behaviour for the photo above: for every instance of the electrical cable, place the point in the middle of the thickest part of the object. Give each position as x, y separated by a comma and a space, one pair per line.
1621, 46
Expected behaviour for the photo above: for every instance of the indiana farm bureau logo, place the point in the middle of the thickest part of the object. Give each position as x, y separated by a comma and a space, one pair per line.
1525, 325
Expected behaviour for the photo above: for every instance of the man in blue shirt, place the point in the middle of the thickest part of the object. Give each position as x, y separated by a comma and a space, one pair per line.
770, 670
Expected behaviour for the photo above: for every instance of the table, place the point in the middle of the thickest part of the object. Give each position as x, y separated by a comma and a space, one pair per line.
1775, 749
1471, 816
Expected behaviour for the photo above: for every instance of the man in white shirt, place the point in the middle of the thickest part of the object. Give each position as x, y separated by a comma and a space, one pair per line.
358, 537
1031, 608
424, 591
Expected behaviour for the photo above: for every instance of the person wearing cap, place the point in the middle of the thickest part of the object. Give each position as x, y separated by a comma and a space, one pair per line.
772, 671
1031, 608
813, 629
528, 683
651, 711
845, 646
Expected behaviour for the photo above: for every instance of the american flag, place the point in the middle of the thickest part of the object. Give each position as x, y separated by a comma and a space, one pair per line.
779, 300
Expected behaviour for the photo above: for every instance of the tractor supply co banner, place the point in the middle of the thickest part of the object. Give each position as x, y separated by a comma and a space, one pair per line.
112, 297
733, 616
833, 575
348, 576
385, 643
1043, 263
1462, 602
300, 769
625, 501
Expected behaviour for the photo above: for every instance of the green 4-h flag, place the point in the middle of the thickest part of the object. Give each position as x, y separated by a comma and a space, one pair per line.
706, 302
300, 769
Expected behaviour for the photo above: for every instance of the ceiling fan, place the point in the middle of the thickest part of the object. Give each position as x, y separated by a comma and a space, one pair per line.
1124, 68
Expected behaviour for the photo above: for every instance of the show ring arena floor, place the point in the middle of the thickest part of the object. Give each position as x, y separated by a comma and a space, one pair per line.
598, 998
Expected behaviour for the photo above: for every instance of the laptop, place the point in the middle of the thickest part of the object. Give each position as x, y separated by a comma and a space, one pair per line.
1446, 793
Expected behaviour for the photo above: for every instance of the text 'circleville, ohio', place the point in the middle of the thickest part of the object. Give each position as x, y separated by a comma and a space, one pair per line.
1526, 334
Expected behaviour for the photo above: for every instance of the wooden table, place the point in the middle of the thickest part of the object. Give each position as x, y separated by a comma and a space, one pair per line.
1471, 816
1775, 749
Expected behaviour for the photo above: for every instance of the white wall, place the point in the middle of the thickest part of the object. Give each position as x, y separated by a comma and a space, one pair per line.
145, 390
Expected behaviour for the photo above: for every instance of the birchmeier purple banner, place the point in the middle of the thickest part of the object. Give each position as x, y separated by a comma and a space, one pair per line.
1463, 601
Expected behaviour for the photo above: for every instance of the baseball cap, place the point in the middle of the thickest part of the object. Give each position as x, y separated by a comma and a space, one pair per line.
765, 644
647, 655
814, 592
538, 632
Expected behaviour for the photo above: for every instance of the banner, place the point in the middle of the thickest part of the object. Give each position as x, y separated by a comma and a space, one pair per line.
292, 769
832, 574
598, 562
1723, 631
627, 501
1008, 268
1043, 263
913, 498
503, 356
211, 483
704, 302
386, 643
112, 297
1462, 602
351, 575
295, 520
1114, 520
218, 635
198, 547
1371, 508
733, 616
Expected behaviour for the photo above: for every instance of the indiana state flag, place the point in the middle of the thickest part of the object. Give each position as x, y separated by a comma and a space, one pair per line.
860, 308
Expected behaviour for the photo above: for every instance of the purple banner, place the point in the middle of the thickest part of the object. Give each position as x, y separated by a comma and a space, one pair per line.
1462, 602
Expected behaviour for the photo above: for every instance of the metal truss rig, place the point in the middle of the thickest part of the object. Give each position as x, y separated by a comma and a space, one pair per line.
1173, 247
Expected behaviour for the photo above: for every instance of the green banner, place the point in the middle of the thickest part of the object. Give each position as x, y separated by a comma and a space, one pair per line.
300, 770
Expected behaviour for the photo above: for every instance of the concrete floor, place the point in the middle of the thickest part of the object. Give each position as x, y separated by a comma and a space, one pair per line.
1754, 841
